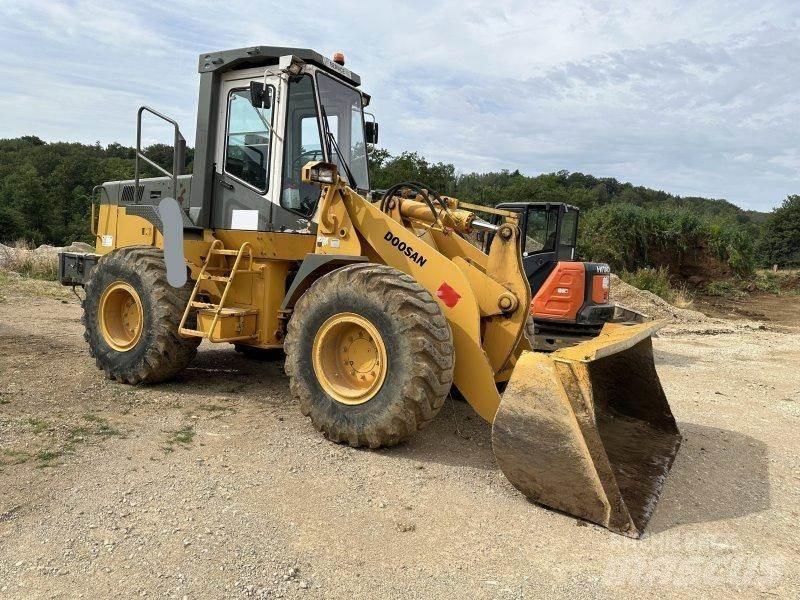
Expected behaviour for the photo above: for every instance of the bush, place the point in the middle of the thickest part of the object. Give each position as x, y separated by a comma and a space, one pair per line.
656, 281
659, 282
631, 237
780, 244
724, 289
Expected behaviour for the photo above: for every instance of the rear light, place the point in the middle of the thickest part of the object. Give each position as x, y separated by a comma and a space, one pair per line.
600, 288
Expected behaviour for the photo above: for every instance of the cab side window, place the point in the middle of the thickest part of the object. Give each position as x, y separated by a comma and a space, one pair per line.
540, 234
248, 140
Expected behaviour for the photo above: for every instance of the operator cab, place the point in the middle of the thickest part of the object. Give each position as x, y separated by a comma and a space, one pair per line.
266, 112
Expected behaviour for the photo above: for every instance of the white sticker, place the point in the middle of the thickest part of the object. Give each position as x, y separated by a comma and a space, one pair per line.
107, 241
322, 240
334, 242
244, 219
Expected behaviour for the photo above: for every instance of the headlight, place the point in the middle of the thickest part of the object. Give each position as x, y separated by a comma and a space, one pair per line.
320, 172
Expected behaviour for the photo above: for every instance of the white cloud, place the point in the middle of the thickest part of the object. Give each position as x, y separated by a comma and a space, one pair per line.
671, 94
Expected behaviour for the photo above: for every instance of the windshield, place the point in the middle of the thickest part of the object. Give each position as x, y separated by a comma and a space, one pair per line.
302, 144
342, 107
540, 234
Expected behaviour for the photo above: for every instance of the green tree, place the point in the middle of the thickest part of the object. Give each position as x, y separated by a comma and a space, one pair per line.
780, 243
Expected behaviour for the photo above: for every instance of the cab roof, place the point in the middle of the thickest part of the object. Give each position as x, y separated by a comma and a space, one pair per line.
263, 56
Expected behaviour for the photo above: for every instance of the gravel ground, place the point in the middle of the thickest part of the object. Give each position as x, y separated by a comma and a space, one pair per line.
215, 485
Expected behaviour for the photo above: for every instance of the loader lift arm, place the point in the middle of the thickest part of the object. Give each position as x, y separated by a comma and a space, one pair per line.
485, 298
586, 430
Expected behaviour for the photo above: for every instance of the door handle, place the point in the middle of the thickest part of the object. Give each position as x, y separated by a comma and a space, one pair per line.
226, 185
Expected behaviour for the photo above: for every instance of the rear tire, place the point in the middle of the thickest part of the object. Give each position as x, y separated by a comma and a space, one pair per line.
143, 346
413, 335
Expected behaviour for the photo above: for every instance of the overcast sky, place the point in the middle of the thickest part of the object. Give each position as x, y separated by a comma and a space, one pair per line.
692, 97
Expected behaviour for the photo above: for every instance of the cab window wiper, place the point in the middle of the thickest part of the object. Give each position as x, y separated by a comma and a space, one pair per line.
332, 143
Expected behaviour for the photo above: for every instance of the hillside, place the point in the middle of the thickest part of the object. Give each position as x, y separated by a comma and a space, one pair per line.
45, 193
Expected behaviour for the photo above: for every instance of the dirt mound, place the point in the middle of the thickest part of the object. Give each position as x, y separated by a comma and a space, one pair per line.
38, 262
680, 319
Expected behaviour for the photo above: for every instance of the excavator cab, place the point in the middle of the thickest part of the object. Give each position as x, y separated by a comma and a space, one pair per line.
570, 298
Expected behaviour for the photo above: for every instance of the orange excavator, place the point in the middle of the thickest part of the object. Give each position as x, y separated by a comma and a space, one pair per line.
570, 298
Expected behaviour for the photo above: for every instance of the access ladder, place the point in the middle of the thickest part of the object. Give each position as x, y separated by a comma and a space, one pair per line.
220, 311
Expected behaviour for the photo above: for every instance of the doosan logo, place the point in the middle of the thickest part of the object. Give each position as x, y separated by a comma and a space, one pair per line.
405, 249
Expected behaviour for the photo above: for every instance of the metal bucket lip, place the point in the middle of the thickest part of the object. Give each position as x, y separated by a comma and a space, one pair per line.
611, 340
550, 425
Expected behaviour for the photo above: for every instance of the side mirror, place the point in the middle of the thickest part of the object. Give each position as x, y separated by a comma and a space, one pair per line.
371, 132
260, 96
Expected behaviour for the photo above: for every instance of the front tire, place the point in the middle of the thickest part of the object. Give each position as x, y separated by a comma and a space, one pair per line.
369, 355
131, 316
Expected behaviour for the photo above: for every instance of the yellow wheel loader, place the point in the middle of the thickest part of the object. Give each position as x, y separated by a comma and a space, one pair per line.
379, 302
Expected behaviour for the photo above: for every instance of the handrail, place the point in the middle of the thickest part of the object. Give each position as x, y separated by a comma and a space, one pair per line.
178, 156
93, 226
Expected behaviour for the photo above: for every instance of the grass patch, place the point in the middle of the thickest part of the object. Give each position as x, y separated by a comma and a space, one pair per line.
659, 282
22, 259
4, 400
36, 425
96, 428
179, 437
779, 283
13, 457
101, 427
725, 289
47, 458
17, 284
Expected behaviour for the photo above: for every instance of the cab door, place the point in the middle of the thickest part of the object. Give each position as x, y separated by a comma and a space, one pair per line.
245, 157
539, 256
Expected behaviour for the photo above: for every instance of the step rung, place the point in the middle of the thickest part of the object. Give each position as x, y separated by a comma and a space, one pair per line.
196, 304
225, 252
237, 339
232, 311
222, 278
193, 332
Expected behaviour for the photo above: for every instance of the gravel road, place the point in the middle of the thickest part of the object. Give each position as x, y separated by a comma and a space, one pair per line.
215, 486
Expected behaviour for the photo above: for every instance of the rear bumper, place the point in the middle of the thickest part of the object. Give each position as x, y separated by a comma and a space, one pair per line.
74, 268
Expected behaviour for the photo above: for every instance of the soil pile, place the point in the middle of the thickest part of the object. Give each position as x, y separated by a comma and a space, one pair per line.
680, 319
38, 261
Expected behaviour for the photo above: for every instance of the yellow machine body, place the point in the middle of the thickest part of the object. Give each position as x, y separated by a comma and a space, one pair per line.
586, 430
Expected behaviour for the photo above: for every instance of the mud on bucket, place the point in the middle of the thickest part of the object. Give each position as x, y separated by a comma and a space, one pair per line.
587, 430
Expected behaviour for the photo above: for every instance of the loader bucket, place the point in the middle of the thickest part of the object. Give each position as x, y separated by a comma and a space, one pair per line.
587, 430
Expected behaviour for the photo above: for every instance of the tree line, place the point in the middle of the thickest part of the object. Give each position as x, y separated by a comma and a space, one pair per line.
45, 196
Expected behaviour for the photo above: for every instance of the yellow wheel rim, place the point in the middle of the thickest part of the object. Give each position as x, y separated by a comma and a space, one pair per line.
349, 358
121, 316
